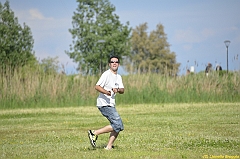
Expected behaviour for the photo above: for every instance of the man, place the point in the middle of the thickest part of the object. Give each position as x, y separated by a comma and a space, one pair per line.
218, 68
109, 84
208, 69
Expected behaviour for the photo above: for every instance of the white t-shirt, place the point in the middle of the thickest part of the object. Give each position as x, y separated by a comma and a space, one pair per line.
108, 81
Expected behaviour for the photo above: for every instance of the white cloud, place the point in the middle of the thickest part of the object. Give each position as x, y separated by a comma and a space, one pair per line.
51, 36
31, 15
193, 36
35, 14
37, 21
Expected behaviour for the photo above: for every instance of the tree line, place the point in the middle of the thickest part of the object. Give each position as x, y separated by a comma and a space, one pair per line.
97, 34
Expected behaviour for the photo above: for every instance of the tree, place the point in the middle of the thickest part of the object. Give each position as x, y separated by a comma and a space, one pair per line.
50, 65
151, 53
16, 42
95, 20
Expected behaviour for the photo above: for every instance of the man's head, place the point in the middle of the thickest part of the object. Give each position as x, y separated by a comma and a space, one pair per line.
110, 59
114, 63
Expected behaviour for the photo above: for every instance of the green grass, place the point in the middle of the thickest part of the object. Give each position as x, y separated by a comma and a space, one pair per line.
200, 130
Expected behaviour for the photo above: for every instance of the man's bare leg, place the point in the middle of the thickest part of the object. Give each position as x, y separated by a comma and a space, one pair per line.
113, 136
103, 130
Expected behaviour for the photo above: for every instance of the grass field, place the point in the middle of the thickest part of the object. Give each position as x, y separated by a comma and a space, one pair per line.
206, 130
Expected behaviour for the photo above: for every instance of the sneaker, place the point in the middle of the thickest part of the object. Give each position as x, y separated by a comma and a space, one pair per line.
106, 148
92, 138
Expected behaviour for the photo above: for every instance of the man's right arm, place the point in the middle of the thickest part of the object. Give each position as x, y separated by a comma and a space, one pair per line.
102, 90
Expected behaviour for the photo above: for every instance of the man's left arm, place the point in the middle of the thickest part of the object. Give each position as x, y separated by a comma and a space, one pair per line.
118, 90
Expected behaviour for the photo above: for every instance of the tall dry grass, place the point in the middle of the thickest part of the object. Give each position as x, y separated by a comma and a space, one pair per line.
36, 89
27, 88
154, 88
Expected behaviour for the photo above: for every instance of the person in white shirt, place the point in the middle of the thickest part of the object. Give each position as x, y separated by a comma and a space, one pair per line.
109, 84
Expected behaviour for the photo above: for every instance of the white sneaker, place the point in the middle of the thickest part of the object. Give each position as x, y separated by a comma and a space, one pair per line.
92, 138
106, 148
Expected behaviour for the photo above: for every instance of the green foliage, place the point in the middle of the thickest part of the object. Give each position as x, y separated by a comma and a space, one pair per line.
50, 65
151, 53
16, 42
95, 20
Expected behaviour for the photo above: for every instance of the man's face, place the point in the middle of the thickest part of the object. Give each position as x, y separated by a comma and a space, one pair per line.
114, 64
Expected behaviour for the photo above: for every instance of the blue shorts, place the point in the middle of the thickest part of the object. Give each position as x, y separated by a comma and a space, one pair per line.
114, 118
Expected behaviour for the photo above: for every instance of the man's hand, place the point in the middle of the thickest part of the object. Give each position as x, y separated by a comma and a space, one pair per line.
118, 90
108, 93
115, 90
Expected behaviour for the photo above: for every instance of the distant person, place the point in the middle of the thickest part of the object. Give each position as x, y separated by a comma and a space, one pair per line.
218, 68
188, 72
109, 84
208, 69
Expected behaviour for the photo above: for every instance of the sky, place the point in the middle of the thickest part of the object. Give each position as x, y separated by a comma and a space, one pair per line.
196, 29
